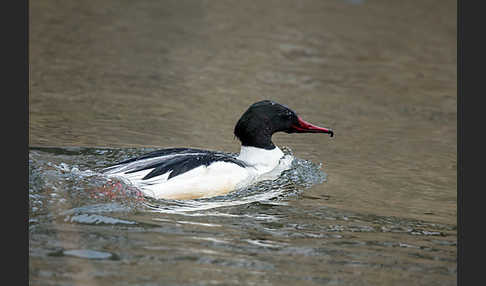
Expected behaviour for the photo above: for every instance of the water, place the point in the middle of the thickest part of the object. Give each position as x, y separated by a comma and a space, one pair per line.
249, 236
375, 205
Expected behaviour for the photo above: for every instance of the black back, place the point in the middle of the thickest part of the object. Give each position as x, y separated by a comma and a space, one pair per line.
163, 152
186, 160
181, 164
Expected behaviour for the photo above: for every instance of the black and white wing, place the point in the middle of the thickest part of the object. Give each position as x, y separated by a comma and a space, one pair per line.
174, 160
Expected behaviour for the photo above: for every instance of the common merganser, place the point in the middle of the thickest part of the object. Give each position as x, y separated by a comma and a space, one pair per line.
187, 173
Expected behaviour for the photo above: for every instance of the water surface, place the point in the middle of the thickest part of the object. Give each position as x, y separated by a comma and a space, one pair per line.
375, 205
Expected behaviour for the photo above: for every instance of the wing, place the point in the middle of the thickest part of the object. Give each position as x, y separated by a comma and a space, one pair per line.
163, 153
174, 160
182, 164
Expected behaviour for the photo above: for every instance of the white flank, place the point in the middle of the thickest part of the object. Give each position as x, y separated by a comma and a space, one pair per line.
217, 179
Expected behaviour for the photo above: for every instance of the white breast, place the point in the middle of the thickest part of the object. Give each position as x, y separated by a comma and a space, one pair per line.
268, 164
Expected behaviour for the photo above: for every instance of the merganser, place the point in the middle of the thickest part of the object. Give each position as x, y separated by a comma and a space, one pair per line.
187, 173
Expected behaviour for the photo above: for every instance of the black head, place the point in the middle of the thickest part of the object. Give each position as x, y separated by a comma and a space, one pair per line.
257, 125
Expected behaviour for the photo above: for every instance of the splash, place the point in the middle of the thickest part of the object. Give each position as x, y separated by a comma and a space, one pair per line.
70, 181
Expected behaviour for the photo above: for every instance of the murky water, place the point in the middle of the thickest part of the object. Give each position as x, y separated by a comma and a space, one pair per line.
376, 205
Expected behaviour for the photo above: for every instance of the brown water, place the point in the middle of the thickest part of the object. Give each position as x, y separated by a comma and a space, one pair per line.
139, 74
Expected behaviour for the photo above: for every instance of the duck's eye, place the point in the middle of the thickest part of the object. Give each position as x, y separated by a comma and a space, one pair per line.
287, 115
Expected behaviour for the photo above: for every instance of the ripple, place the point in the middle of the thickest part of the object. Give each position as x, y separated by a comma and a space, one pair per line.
76, 209
61, 180
96, 219
88, 254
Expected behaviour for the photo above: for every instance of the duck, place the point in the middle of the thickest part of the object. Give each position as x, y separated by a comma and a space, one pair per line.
190, 173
